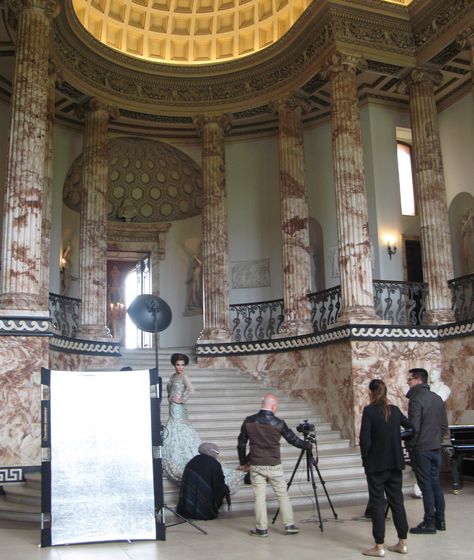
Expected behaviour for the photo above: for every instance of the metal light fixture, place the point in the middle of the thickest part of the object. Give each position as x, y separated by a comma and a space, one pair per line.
391, 245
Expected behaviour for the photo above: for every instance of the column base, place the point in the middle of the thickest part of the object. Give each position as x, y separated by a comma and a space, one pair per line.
93, 332
294, 327
439, 316
358, 314
215, 335
22, 304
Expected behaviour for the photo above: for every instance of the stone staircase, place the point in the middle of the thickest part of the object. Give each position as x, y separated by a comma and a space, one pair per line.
222, 400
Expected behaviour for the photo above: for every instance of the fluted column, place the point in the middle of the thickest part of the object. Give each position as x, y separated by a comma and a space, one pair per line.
351, 199
431, 194
93, 232
21, 251
47, 188
215, 247
294, 218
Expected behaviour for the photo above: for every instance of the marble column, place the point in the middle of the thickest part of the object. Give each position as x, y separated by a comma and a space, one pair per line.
215, 260
431, 194
47, 188
351, 200
93, 232
294, 218
21, 251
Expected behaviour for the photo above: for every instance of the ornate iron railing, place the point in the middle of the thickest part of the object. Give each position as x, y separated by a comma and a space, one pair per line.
64, 313
256, 321
401, 303
325, 307
462, 290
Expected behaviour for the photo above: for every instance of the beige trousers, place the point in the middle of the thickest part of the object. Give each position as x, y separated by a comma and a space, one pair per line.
259, 476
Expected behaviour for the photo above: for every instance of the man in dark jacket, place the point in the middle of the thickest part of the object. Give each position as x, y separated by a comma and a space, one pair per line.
203, 486
264, 430
427, 413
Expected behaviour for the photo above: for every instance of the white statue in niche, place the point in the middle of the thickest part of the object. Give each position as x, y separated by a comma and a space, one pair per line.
438, 386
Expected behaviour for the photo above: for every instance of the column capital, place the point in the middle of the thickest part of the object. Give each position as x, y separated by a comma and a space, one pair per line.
420, 76
95, 105
466, 38
340, 61
203, 121
51, 8
290, 102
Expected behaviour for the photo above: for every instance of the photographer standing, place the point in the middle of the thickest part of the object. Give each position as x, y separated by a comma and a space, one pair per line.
263, 431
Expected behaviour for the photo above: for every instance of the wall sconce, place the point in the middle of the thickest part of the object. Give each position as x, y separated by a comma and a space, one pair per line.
391, 246
65, 258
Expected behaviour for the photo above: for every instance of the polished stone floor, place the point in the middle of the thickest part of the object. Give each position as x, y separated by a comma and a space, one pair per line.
227, 538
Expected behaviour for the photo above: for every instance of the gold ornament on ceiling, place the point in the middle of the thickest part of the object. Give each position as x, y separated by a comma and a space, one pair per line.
149, 181
189, 31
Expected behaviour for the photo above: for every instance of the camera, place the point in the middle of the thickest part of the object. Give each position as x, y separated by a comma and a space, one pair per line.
308, 430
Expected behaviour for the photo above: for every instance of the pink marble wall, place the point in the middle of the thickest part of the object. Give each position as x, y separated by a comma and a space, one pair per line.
20, 428
81, 362
335, 378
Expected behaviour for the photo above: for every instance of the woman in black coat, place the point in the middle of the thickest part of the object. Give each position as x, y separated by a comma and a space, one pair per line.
382, 457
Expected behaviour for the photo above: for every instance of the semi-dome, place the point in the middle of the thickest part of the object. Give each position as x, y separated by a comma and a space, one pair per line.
149, 181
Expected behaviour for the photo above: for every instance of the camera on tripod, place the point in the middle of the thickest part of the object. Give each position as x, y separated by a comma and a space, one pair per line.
308, 430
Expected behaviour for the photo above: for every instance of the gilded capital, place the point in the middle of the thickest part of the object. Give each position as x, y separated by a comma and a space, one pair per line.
201, 122
419, 76
290, 102
51, 8
343, 62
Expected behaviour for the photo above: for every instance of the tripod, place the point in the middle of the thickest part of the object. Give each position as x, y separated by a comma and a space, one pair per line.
311, 463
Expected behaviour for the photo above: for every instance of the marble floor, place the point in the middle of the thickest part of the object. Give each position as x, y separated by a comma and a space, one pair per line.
227, 538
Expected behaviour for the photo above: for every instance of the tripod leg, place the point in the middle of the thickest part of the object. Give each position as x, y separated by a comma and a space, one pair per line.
183, 520
324, 487
290, 481
309, 465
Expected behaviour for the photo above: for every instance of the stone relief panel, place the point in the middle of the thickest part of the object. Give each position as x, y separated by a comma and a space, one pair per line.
250, 274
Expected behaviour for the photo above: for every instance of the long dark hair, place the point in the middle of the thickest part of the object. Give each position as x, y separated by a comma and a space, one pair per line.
378, 395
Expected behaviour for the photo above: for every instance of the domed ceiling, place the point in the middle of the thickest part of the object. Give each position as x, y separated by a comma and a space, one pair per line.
188, 31
149, 181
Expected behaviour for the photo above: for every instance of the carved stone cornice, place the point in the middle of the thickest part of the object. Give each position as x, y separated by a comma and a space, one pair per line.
437, 18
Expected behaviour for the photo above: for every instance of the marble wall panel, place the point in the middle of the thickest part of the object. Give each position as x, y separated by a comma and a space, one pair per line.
335, 378
69, 361
20, 400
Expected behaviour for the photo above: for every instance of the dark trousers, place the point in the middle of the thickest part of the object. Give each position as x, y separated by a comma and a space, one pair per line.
387, 483
426, 465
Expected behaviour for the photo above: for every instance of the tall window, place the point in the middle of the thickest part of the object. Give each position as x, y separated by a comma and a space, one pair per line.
138, 282
405, 175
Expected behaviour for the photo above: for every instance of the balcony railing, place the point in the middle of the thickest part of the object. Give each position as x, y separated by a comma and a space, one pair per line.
256, 321
64, 313
462, 290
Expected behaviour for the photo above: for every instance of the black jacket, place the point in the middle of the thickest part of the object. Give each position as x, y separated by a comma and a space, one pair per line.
427, 413
380, 442
264, 430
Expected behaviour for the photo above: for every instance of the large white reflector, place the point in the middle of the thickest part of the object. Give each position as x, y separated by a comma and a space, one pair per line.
101, 457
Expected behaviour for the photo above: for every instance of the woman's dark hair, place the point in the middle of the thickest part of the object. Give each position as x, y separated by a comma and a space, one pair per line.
175, 357
378, 395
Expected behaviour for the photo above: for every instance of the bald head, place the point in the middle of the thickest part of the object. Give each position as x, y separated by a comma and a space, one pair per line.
270, 402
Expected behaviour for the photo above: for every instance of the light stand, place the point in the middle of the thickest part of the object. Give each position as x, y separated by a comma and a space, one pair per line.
152, 314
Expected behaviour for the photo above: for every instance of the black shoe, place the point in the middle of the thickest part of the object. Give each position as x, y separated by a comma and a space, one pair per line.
423, 529
441, 525
291, 529
262, 533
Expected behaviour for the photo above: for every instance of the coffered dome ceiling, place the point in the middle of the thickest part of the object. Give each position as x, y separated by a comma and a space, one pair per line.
188, 31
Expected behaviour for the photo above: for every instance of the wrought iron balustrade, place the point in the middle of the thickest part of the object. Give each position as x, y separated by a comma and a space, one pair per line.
401, 303
462, 290
256, 321
325, 307
64, 313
